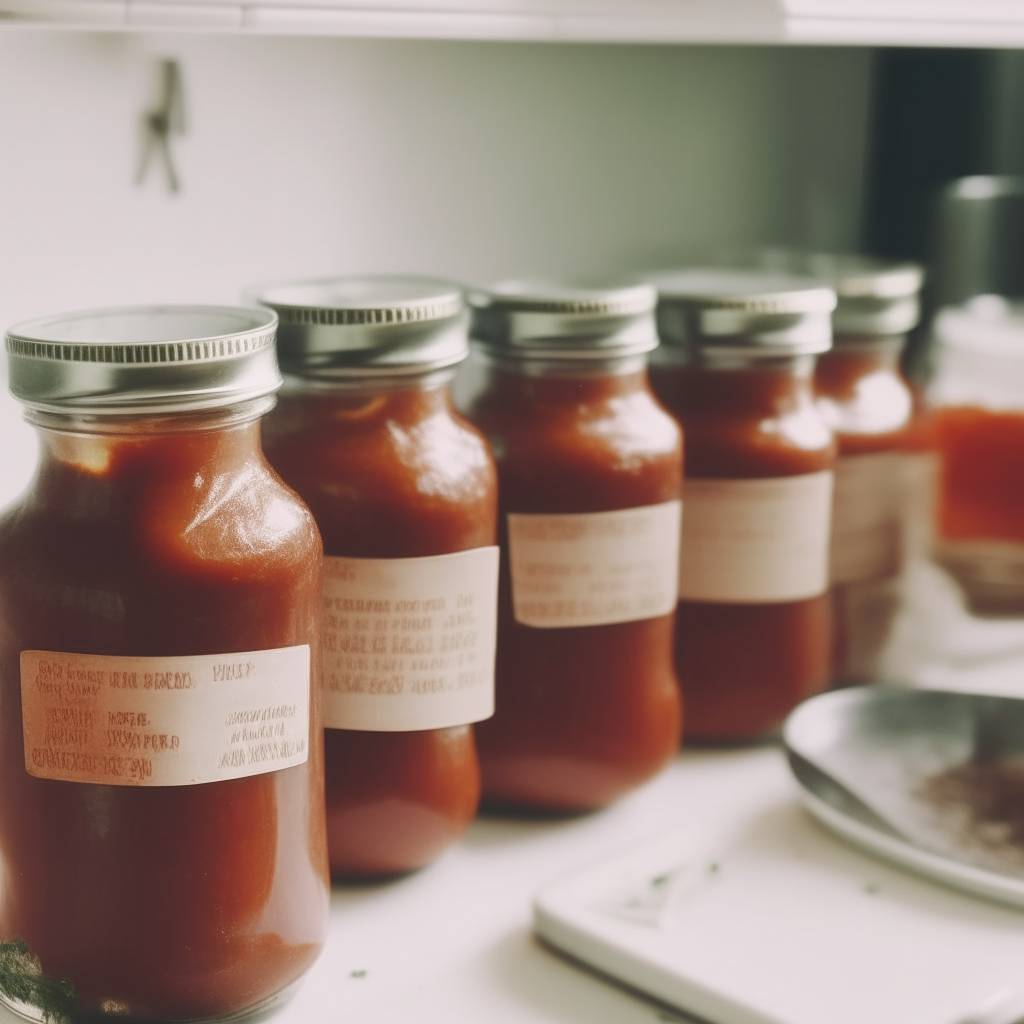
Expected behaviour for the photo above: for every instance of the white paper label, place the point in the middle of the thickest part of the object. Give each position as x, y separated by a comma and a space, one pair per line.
865, 613
756, 541
175, 721
866, 523
594, 568
918, 495
409, 643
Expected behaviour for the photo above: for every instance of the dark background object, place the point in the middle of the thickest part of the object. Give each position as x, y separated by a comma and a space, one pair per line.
976, 243
934, 119
931, 122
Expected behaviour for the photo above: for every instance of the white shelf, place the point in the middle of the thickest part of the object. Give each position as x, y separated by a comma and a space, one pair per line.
981, 23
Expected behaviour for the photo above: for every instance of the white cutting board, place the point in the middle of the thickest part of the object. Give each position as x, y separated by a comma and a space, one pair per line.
764, 918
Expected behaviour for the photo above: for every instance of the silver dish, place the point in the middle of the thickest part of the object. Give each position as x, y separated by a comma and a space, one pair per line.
931, 780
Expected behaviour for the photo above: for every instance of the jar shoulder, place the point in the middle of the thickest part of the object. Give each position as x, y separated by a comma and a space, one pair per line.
416, 467
619, 430
240, 523
878, 405
620, 453
789, 444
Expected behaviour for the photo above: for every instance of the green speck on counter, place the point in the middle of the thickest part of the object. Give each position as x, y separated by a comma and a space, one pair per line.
714, 867
22, 980
361, 973
872, 888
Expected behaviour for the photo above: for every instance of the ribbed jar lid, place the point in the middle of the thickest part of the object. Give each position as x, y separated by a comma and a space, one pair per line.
143, 359
540, 320
373, 324
876, 297
748, 311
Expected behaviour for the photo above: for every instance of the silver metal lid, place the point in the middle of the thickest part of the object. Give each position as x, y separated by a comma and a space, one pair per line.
135, 360
531, 320
743, 311
375, 324
876, 297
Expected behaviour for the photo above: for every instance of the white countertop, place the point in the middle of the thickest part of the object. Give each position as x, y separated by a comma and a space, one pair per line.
453, 943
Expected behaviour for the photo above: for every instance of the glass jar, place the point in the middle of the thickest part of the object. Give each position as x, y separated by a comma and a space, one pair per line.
866, 402
405, 493
977, 396
590, 474
161, 821
736, 369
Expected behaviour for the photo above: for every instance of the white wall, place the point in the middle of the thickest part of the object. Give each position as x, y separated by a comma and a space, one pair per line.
473, 160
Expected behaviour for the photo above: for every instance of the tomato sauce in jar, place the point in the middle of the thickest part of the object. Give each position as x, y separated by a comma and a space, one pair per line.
753, 635
866, 402
590, 473
405, 493
977, 420
161, 818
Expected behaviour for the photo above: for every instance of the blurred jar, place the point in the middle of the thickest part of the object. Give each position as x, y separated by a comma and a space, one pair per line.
978, 399
405, 494
864, 399
735, 366
590, 478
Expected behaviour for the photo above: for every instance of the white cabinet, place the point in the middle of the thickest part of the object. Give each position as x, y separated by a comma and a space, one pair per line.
851, 22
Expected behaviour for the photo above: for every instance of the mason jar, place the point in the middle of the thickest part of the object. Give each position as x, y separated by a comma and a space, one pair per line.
590, 477
161, 817
735, 367
405, 493
977, 401
865, 400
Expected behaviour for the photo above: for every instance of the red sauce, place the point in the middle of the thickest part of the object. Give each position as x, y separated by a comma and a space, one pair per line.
864, 399
172, 902
868, 406
390, 474
583, 713
743, 667
981, 491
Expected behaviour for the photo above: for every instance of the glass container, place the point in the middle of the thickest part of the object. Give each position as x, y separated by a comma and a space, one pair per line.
735, 367
866, 402
977, 398
590, 475
405, 493
161, 817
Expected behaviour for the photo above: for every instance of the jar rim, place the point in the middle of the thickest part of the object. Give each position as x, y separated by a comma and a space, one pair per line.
547, 320
134, 359
368, 323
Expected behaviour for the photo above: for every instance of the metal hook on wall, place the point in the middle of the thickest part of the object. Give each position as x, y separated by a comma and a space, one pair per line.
167, 117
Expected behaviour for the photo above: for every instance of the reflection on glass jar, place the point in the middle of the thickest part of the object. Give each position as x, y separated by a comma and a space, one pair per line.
735, 367
590, 474
405, 493
162, 825
978, 400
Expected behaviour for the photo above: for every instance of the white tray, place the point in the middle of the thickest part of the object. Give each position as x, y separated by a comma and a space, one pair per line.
761, 917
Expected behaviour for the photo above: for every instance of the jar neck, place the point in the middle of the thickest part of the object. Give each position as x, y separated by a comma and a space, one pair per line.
852, 359
888, 346
187, 447
353, 381
567, 382
361, 384
860, 355
364, 402
759, 386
